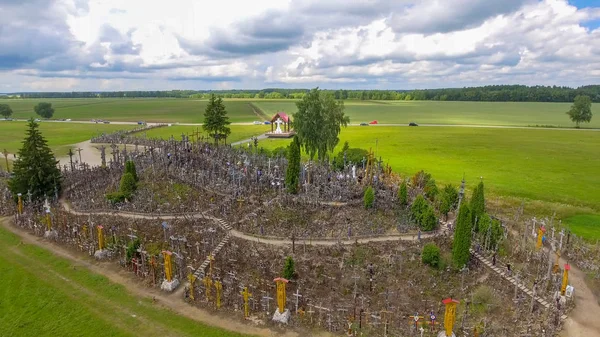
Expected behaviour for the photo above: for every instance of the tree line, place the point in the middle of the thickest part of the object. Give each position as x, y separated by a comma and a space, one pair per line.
491, 93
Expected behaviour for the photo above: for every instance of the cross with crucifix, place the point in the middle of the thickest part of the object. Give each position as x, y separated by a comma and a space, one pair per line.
415, 319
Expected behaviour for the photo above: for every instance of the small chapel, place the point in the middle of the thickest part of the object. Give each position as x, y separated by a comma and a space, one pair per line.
281, 126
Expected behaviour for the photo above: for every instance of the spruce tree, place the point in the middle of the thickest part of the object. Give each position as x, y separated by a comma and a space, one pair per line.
462, 237
35, 169
289, 269
130, 168
369, 197
215, 118
292, 175
477, 205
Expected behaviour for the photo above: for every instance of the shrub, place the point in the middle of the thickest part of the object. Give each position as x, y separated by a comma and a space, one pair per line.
420, 179
431, 189
403, 194
128, 185
477, 205
132, 247
448, 199
431, 255
369, 197
462, 237
428, 221
288, 268
353, 155
130, 168
417, 208
115, 197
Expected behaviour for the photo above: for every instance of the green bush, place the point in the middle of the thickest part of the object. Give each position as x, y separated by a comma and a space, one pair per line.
462, 237
418, 207
130, 168
128, 185
431, 189
448, 199
280, 151
353, 155
115, 197
403, 194
288, 268
477, 205
132, 247
429, 220
431, 255
369, 197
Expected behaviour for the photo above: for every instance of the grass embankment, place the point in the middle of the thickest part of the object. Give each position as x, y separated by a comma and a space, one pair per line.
457, 113
43, 295
132, 109
58, 135
552, 169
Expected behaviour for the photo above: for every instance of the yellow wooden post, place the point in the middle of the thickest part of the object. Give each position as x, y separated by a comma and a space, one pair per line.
48, 220
541, 231
246, 294
281, 282
192, 279
449, 315
168, 267
565, 280
84, 229
100, 238
219, 291
20, 204
556, 267
210, 264
207, 285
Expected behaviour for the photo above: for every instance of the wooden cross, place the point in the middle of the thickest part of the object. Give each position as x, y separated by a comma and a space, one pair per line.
297, 295
415, 318
5, 153
79, 151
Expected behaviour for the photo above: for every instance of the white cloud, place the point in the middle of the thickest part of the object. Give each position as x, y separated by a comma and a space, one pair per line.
95, 44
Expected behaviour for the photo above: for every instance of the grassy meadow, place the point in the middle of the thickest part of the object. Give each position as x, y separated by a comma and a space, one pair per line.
44, 295
457, 113
549, 165
132, 109
584, 225
238, 132
58, 135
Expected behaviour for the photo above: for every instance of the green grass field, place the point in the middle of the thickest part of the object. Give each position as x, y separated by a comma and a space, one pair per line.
43, 295
149, 110
584, 225
435, 112
58, 135
549, 165
238, 132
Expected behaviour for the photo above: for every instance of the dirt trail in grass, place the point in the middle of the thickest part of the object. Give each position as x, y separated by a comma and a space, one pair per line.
168, 301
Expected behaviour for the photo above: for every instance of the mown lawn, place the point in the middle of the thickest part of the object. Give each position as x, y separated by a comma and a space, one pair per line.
132, 109
584, 225
238, 132
43, 295
548, 165
58, 135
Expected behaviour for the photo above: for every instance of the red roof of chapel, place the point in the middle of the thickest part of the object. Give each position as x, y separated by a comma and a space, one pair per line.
284, 117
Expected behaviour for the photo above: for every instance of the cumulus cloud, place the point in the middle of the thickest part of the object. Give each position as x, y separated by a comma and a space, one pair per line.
292, 43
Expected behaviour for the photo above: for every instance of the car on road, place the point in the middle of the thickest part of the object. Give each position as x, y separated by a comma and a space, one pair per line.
68, 119
364, 124
267, 122
258, 123
37, 120
413, 124
106, 122
141, 123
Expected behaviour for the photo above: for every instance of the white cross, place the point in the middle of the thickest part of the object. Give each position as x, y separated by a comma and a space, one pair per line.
297, 295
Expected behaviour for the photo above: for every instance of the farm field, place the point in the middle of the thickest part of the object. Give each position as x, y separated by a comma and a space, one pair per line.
238, 132
549, 165
58, 135
44, 295
241, 111
458, 113
149, 110
585, 225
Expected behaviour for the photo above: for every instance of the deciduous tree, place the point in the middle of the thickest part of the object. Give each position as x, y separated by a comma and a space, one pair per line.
318, 123
44, 110
5, 110
581, 110
35, 169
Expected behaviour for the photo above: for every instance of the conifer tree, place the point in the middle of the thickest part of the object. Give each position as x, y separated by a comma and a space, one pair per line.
35, 169
292, 175
477, 205
462, 237
215, 119
403, 194
369, 197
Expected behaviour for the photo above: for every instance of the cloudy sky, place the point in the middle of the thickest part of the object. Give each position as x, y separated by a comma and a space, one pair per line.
75, 45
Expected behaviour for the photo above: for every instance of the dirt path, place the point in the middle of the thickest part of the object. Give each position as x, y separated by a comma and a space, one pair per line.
583, 320
168, 301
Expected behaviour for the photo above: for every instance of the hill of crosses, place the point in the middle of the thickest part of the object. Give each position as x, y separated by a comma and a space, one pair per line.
354, 252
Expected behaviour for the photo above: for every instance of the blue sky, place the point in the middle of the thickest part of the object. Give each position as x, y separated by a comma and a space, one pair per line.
230, 44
